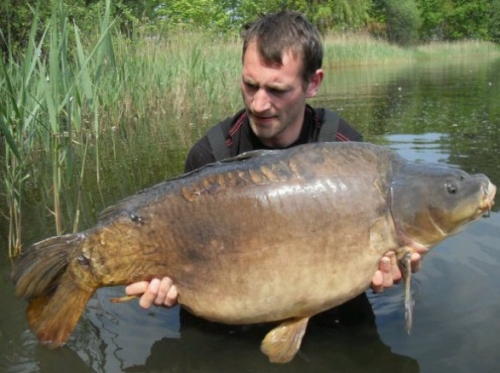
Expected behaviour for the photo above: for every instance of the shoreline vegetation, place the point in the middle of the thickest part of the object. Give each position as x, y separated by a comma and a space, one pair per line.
79, 113
365, 50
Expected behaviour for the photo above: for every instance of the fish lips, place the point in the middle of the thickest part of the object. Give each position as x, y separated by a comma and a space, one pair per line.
489, 192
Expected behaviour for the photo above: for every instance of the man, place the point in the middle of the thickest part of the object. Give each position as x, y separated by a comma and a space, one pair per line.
282, 59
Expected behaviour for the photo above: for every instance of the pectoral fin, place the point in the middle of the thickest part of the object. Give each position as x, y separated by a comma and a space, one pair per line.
282, 343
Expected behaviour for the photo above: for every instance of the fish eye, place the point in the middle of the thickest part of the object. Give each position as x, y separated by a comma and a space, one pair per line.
451, 188
83, 260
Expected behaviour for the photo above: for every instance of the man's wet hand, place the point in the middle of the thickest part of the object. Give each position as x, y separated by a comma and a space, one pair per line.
389, 273
159, 292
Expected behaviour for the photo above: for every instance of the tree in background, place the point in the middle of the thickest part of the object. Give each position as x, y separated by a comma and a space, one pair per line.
494, 22
434, 14
468, 20
339, 15
403, 21
17, 16
231, 14
16, 21
459, 19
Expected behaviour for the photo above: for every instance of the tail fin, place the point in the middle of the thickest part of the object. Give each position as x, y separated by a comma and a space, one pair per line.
56, 300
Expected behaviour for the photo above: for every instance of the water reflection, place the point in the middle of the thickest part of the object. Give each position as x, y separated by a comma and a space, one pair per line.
349, 349
427, 147
125, 331
456, 323
125, 344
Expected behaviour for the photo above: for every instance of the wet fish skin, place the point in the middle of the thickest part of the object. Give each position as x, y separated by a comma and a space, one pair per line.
267, 236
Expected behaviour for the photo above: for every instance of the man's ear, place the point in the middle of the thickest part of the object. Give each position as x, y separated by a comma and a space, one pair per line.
314, 83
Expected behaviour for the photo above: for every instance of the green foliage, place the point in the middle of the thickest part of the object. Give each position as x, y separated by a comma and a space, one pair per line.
339, 15
433, 14
19, 15
18, 111
459, 19
403, 21
468, 20
433, 19
198, 14
43, 101
494, 22
16, 20
229, 15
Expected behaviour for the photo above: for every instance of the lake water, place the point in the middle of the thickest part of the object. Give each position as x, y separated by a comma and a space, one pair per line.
447, 113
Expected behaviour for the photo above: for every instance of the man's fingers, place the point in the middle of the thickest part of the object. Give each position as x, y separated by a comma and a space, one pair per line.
416, 262
395, 270
149, 296
386, 268
171, 298
164, 287
378, 282
137, 288
160, 292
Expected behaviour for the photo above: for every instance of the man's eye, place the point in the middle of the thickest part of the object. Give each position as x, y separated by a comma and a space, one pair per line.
276, 91
251, 86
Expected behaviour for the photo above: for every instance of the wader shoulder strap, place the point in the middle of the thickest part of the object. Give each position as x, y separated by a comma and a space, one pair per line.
217, 141
329, 127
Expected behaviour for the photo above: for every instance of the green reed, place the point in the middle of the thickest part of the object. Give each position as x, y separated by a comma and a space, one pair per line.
39, 116
68, 91
18, 111
362, 49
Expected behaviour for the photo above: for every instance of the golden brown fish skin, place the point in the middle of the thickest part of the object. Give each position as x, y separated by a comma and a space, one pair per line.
192, 243
219, 244
275, 237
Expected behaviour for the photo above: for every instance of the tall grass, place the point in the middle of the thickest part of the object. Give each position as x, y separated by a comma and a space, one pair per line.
361, 49
19, 111
87, 112
70, 90
40, 112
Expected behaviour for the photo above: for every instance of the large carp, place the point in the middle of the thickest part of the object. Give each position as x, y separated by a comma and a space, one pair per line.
266, 236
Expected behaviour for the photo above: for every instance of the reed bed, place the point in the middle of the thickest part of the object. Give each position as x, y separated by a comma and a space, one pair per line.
350, 49
452, 50
104, 113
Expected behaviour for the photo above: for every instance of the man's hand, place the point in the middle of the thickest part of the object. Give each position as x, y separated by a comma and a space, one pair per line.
389, 273
160, 292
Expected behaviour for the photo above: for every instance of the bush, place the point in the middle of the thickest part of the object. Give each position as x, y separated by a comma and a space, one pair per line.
403, 21
494, 22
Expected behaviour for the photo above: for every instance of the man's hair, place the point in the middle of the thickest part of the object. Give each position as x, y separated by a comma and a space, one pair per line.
278, 33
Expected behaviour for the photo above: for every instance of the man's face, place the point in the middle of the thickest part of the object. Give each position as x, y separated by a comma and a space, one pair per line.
275, 96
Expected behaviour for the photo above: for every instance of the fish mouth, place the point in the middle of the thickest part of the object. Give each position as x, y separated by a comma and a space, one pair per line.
488, 193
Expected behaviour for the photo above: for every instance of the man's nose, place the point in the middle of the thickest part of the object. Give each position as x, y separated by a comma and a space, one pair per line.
261, 101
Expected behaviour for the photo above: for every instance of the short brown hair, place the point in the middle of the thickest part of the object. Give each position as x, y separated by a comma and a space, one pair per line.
277, 33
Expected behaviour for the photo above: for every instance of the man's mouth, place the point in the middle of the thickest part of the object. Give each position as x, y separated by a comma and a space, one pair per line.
260, 119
